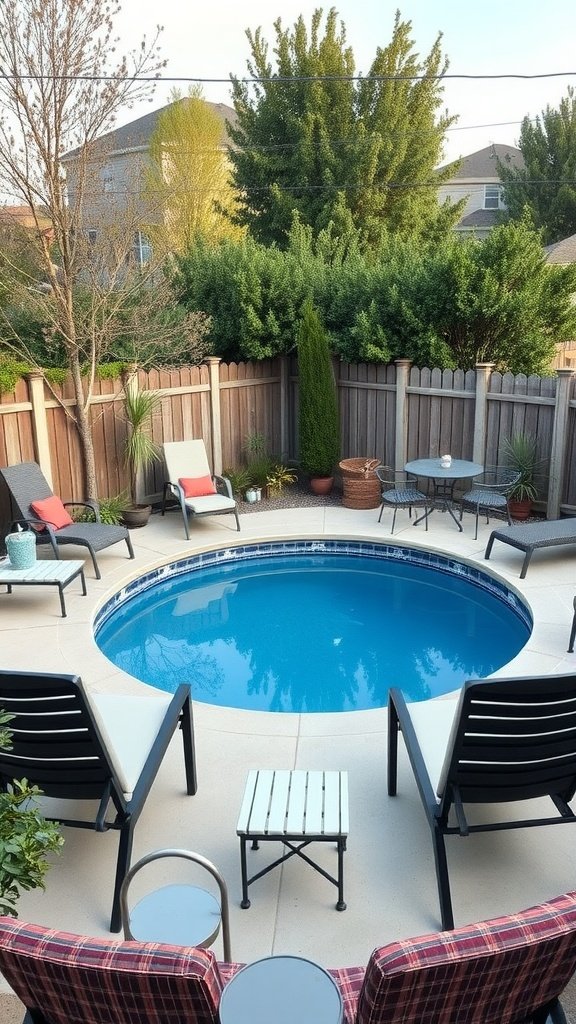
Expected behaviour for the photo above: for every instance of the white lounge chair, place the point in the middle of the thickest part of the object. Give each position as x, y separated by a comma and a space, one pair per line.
197, 491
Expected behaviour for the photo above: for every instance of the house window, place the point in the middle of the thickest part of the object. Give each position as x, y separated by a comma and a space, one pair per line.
493, 199
142, 248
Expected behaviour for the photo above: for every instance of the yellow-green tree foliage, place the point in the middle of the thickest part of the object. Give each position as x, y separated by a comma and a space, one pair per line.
189, 181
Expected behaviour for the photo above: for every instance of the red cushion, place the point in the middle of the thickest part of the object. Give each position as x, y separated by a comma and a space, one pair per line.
197, 486
52, 511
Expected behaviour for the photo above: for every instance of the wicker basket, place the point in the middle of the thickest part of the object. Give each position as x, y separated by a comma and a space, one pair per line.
360, 485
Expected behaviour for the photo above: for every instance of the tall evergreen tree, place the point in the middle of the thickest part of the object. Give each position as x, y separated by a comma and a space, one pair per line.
546, 185
355, 152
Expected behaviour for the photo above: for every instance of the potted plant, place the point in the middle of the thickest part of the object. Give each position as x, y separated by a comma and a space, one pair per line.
319, 425
520, 452
140, 450
26, 838
280, 476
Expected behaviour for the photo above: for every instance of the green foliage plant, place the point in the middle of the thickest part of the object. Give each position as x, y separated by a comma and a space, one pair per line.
140, 449
520, 452
545, 186
447, 305
110, 511
26, 838
280, 476
259, 461
319, 425
240, 480
11, 371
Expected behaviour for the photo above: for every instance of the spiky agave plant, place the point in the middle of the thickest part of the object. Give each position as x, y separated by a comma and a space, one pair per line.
140, 449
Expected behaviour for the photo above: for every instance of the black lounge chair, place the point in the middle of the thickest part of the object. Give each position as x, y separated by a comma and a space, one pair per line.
27, 483
106, 748
528, 537
504, 740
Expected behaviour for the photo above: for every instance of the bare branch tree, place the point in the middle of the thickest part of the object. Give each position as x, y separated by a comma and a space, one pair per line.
61, 88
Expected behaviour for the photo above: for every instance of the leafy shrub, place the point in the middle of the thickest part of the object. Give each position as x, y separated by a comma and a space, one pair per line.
25, 836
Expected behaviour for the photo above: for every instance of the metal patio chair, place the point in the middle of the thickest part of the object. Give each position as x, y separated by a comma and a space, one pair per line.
490, 493
27, 484
502, 741
196, 490
100, 747
399, 490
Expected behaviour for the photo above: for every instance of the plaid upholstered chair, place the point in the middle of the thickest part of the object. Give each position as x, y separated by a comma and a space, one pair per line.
511, 970
63, 978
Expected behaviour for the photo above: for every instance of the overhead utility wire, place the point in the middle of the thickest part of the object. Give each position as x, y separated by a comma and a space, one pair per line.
285, 79
345, 186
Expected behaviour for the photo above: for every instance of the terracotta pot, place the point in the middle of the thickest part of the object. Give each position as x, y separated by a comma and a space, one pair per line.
321, 484
137, 516
520, 510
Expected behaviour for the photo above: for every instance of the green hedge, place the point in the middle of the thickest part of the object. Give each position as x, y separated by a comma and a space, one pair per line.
449, 306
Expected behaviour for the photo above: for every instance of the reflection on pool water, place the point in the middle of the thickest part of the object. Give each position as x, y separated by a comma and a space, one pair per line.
307, 630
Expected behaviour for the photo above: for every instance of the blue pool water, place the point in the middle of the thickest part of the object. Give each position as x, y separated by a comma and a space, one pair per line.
312, 632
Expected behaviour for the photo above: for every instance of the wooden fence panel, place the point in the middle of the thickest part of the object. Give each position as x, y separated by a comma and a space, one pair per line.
367, 410
521, 404
250, 404
247, 400
440, 413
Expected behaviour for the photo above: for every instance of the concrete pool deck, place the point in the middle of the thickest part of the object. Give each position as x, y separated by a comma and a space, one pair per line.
389, 877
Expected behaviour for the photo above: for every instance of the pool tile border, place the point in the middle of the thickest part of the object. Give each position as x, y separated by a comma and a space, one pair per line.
367, 549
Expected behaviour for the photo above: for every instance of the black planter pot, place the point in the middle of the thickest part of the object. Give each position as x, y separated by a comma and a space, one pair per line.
137, 516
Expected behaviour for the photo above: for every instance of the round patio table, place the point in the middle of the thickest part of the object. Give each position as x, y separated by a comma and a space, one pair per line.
283, 989
444, 480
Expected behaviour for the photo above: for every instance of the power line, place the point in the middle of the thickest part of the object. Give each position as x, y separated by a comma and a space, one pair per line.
343, 187
288, 79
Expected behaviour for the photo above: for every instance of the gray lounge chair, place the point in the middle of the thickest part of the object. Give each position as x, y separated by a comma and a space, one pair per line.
528, 537
503, 741
27, 483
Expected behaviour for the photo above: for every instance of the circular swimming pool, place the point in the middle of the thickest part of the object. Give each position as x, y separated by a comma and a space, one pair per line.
313, 626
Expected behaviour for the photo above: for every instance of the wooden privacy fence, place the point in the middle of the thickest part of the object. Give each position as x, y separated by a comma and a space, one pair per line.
396, 413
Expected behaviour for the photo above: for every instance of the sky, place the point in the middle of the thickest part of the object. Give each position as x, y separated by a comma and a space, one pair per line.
489, 37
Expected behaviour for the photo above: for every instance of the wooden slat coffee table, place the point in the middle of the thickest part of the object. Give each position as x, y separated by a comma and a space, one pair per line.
295, 808
46, 572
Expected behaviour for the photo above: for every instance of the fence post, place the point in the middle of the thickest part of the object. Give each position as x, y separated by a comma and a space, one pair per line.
39, 423
483, 371
401, 445
213, 362
558, 443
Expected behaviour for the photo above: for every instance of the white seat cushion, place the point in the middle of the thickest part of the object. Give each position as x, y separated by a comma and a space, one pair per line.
129, 725
432, 721
210, 503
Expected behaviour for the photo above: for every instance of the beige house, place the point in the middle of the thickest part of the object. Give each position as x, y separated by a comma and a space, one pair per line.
117, 172
477, 180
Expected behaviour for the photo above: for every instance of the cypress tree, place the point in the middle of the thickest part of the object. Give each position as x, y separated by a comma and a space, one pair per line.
318, 419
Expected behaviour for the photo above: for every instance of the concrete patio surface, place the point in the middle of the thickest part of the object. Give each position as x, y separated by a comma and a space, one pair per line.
390, 886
